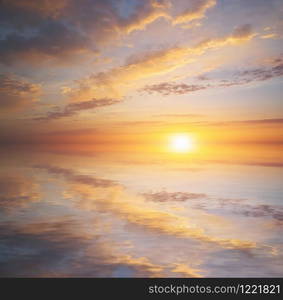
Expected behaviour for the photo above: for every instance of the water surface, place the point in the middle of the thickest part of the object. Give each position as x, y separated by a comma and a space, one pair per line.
76, 212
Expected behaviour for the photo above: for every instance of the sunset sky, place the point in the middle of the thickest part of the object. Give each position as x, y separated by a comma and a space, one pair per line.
135, 72
141, 138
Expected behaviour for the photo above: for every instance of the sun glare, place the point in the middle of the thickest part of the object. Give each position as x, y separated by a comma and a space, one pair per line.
181, 143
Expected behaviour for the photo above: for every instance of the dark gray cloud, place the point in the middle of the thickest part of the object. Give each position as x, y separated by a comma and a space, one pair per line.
74, 108
52, 40
43, 29
39, 30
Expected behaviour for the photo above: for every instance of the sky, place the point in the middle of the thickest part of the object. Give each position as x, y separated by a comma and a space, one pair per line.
130, 128
132, 72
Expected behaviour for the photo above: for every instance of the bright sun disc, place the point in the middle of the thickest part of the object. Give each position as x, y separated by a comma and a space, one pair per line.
181, 143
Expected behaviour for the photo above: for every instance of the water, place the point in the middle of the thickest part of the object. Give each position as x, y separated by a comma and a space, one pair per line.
73, 211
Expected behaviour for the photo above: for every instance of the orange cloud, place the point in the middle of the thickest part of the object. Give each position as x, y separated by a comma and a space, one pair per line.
146, 15
117, 81
74, 108
197, 11
17, 93
186, 271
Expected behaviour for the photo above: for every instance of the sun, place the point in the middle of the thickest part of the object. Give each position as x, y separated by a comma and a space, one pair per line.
181, 142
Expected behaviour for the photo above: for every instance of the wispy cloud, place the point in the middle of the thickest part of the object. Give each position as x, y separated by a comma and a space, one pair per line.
17, 92
169, 88
238, 79
276, 121
180, 115
196, 11
149, 64
173, 197
74, 108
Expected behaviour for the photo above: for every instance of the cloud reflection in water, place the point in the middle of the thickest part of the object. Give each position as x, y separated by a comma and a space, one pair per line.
75, 215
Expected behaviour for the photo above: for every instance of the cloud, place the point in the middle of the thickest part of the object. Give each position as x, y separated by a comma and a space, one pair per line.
167, 88
256, 122
35, 8
177, 115
71, 132
186, 271
114, 81
275, 121
273, 69
238, 78
117, 80
197, 11
242, 31
262, 74
73, 109
172, 197
150, 11
43, 31
269, 36
53, 40
17, 93
139, 123
146, 13
38, 32
259, 211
